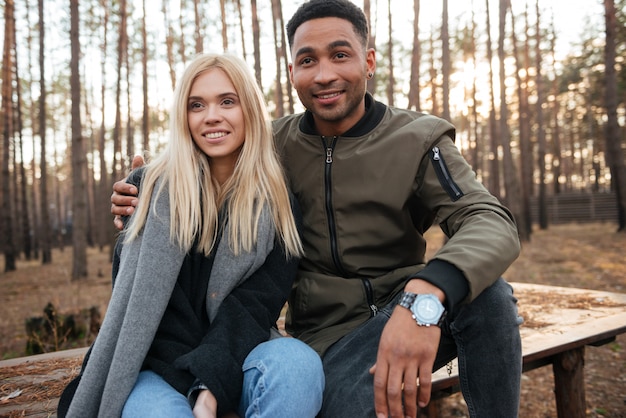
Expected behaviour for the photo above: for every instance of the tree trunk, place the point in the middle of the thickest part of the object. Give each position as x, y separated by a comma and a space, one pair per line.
198, 34
256, 43
103, 201
46, 235
32, 110
285, 58
526, 163
169, 43
433, 76
6, 228
511, 181
122, 50
242, 31
79, 162
556, 132
541, 134
391, 83
278, 85
224, 25
130, 127
615, 153
445, 63
494, 168
25, 211
414, 81
145, 121
371, 83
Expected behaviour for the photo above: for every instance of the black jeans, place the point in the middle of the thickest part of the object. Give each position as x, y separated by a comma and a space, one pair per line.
484, 335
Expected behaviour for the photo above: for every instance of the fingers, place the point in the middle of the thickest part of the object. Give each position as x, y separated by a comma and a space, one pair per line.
380, 389
425, 387
206, 405
395, 393
123, 202
123, 188
137, 162
117, 222
410, 391
123, 199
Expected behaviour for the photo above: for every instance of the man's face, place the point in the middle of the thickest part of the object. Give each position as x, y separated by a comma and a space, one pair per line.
329, 72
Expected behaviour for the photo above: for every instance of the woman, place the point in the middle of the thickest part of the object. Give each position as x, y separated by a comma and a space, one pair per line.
206, 266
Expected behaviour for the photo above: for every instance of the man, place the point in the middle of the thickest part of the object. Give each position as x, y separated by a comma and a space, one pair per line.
371, 180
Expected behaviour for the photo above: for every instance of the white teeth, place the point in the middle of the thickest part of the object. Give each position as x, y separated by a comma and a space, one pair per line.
328, 96
214, 135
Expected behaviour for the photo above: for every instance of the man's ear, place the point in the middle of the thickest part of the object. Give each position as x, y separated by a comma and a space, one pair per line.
370, 59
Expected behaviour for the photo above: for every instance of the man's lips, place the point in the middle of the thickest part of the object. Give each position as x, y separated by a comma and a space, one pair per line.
328, 98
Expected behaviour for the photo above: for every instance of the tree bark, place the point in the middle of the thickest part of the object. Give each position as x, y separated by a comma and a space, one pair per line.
511, 181
6, 229
526, 163
615, 153
414, 81
79, 161
256, 43
391, 82
45, 233
494, 167
541, 133
446, 66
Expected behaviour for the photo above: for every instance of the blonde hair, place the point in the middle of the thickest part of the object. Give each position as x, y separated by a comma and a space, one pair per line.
195, 197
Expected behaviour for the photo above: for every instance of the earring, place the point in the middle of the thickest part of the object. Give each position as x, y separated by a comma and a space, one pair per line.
370, 75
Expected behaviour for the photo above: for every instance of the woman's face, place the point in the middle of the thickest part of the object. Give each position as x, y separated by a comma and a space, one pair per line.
215, 118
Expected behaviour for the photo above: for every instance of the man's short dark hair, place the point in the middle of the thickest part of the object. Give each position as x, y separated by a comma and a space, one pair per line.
316, 9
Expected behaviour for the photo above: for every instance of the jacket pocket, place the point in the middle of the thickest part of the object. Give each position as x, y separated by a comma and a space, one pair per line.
443, 173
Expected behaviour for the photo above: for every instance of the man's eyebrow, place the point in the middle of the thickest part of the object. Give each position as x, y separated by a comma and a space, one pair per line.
304, 50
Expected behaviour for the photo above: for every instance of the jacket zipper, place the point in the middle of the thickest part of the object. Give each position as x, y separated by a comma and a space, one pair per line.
329, 147
445, 178
369, 294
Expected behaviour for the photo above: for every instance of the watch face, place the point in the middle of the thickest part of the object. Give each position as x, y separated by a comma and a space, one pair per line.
427, 310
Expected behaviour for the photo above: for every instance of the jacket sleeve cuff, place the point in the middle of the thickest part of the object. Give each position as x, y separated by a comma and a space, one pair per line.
194, 391
449, 279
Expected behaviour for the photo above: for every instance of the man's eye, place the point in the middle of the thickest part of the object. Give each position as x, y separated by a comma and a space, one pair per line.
306, 61
341, 55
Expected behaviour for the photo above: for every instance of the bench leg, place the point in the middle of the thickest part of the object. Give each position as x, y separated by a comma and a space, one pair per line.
569, 383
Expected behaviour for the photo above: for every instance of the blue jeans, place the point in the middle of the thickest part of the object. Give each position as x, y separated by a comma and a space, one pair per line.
484, 335
282, 377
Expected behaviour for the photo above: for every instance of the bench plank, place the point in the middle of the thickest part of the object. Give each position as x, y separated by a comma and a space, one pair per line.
558, 323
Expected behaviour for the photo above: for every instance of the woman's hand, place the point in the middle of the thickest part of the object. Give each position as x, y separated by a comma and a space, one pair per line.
206, 405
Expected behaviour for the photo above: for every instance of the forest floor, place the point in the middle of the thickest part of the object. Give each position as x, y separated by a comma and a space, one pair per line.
588, 256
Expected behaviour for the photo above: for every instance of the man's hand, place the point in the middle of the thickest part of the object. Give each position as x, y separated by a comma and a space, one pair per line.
124, 197
206, 405
406, 353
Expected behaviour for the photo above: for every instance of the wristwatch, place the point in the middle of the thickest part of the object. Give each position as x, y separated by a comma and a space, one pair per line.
426, 308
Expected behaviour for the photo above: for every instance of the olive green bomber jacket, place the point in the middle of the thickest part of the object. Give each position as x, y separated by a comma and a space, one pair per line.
367, 197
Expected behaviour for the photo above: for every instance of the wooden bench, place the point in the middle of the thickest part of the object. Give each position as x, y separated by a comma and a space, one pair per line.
558, 323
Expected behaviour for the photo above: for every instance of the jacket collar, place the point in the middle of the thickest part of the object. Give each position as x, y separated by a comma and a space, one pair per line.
374, 112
